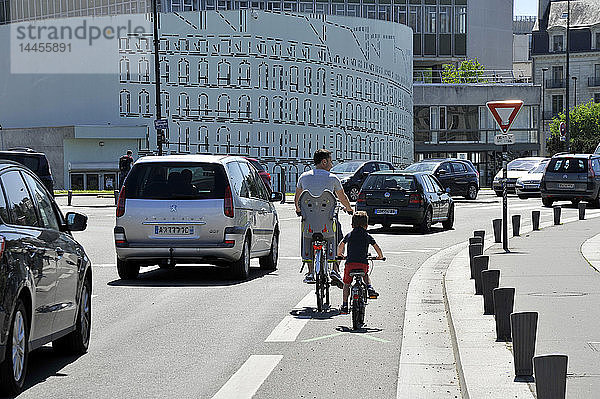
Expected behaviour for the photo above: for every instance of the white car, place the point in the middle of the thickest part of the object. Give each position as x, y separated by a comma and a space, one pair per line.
529, 184
515, 169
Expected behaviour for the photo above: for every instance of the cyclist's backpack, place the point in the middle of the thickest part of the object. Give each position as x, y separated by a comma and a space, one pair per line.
124, 164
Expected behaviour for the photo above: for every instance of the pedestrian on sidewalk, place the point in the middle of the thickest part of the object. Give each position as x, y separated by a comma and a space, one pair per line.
125, 163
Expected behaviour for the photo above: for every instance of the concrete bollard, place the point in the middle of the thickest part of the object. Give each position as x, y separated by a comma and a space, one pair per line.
535, 219
116, 195
282, 185
516, 225
497, 230
480, 263
474, 250
69, 197
557, 210
490, 279
479, 233
524, 329
581, 207
475, 240
550, 376
504, 299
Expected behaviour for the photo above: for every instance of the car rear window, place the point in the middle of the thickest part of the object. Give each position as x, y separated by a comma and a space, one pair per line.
31, 162
522, 164
568, 165
390, 182
422, 167
176, 180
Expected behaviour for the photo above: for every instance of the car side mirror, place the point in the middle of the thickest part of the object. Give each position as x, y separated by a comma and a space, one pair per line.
76, 221
441, 172
276, 196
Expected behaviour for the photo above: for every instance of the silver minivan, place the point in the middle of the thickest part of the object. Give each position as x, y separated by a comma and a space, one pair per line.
195, 209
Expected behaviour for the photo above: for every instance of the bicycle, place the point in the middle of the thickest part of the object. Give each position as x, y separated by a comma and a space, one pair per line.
358, 293
319, 225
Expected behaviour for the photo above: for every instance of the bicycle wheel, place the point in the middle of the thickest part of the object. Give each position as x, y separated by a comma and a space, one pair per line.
319, 282
358, 312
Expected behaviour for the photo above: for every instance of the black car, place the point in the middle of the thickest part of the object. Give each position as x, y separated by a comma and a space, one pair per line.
459, 175
45, 276
571, 177
354, 173
36, 161
403, 197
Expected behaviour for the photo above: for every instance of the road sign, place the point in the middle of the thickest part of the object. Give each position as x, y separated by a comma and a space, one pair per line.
161, 124
563, 131
505, 112
504, 139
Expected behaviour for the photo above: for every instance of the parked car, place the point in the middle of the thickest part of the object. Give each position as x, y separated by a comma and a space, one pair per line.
405, 197
459, 175
515, 169
571, 177
265, 176
195, 209
36, 161
354, 173
45, 276
529, 185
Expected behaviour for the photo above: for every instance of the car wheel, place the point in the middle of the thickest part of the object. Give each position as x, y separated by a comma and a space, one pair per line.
425, 225
498, 193
471, 192
78, 341
269, 262
386, 225
14, 367
241, 267
127, 270
353, 193
547, 202
448, 223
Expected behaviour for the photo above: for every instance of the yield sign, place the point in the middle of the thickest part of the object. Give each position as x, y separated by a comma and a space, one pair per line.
504, 112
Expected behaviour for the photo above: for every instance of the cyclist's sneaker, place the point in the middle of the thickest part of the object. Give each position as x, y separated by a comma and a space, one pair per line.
309, 278
344, 309
372, 293
336, 279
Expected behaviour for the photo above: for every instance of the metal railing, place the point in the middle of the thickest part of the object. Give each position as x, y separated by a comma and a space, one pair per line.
594, 81
555, 83
485, 77
523, 136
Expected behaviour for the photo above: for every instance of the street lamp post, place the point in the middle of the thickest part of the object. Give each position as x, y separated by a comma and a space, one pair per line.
159, 132
568, 135
574, 90
543, 118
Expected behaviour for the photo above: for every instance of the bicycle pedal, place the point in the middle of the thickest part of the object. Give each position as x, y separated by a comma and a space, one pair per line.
373, 297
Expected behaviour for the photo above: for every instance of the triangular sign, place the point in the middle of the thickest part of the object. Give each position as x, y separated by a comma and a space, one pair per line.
504, 112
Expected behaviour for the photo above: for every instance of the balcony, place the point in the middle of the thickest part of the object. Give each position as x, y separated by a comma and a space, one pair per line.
484, 77
594, 81
555, 83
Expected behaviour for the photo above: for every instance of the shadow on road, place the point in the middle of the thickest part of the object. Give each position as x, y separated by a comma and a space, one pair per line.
362, 330
404, 230
187, 276
312, 313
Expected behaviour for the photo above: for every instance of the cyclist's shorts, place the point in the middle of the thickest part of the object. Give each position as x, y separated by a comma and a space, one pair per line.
353, 266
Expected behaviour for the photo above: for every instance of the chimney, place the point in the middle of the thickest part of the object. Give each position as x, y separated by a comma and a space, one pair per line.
543, 8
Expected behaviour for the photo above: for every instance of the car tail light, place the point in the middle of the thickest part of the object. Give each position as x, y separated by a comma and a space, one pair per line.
415, 199
120, 238
228, 202
269, 177
2, 244
230, 242
591, 173
121, 203
361, 197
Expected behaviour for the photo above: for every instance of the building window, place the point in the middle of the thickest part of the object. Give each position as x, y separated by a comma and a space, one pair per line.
349, 87
294, 109
445, 18
414, 19
203, 104
557, 43
597, 98
308, 79
184, 104
224, 106
164, 103
263, 76
263, 108
144, 103
597, 44
224, 73
144, 70
203, 72
124, 69
293, 78
278, 77
183, 68
244, 106
460, 20
308, 114
557, 104
244, 74
278, 109
322, 81
430, 19
125, 102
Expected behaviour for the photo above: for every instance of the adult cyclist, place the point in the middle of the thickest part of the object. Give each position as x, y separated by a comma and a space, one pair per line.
316, 181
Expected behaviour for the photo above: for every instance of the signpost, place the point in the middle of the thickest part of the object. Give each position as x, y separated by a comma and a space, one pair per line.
563, 131
504, 112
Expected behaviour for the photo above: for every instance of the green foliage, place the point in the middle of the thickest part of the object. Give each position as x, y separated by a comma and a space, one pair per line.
584, 129
469, 71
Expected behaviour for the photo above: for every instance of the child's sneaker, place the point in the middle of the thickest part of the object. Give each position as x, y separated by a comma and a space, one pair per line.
344, 309
372, 293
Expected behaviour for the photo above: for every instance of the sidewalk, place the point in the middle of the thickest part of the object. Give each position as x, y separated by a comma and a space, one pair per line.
551, 277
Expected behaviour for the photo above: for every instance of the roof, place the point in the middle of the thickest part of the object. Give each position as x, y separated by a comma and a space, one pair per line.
562, 155
182, 158
400, 172
584, 13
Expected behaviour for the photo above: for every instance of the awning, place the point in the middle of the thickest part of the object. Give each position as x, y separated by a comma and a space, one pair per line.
93, 166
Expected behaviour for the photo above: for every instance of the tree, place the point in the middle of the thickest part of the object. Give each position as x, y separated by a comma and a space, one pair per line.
584, 129
469, 71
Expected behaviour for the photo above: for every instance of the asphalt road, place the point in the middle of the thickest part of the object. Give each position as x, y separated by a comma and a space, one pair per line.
191, 332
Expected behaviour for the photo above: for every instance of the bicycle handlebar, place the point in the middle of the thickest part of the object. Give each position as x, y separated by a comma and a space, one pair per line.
369, 257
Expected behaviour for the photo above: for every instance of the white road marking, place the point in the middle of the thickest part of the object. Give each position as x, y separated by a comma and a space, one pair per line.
104, 265
246, 381
309, 301
286, 219
290, 257
288, 329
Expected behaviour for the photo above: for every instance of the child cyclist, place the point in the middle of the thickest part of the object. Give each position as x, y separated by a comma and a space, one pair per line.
358, 241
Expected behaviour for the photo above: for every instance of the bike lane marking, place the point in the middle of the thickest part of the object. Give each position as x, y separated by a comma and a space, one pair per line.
249, 377
290, 327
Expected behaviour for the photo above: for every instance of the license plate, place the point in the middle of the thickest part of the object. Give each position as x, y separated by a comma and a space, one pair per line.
566, 185
174, 230
386, 211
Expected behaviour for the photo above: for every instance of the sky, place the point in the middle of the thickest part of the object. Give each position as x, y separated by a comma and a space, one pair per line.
525, 7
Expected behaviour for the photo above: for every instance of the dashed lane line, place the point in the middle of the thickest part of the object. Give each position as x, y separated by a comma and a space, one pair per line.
290, 327
248, 379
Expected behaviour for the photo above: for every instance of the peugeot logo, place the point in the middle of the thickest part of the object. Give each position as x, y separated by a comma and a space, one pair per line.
387, 195
565, 176
173, 208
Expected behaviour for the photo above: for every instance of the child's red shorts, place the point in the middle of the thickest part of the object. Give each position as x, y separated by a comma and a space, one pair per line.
352, 266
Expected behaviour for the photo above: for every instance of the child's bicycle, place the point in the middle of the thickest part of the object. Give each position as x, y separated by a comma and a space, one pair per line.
358, 294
